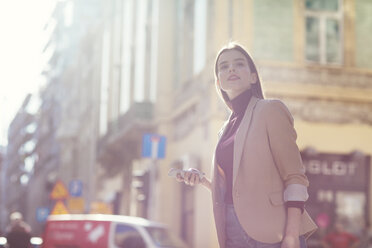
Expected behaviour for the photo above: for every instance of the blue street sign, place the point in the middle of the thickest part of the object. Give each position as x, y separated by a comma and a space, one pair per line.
153, 146
42, 214
75, 188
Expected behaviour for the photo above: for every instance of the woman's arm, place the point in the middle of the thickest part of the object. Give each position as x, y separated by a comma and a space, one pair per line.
292, 230
206, 183
282, 140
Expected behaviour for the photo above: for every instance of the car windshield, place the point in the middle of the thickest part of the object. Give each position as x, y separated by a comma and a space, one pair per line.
163, 238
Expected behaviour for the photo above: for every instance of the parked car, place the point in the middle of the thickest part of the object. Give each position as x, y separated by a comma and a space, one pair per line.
35, 242
107, 231
2, 242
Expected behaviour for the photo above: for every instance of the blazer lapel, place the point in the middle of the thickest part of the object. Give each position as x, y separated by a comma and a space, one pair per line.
241, 135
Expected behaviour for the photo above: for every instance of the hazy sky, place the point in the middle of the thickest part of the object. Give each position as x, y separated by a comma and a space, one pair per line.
21, 61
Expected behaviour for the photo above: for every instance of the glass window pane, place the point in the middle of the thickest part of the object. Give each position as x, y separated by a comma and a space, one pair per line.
333, 41
127, 236
350, 208
325, 5
200, 35
164, 238
312, 39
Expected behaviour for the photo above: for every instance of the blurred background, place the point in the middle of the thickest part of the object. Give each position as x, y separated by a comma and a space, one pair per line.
111, 94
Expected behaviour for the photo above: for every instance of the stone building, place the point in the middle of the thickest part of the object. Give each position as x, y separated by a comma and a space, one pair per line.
311, 54
18, 161
65, 131
71, 96
128, 68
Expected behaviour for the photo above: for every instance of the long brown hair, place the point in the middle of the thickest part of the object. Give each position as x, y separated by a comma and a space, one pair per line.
256, 88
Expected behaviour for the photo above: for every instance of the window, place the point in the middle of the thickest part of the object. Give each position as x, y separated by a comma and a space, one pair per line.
69, 13
105, 68
162, 237
140, 51
127, 55
350, 208
153, 27
127, 236
200, 35
323, 25
31, 128
185, 41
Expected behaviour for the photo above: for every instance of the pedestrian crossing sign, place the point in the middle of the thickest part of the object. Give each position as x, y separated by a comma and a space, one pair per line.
59, 191
59, 208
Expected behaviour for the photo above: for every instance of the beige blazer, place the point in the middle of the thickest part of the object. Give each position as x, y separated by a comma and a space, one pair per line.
266, 160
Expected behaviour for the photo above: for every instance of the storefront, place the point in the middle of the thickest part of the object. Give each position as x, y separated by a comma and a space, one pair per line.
338, 191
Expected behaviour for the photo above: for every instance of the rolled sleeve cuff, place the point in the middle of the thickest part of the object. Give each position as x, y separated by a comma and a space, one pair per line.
295, 192
296, 204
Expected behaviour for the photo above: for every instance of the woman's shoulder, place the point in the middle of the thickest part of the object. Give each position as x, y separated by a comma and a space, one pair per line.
273, 109
271, 104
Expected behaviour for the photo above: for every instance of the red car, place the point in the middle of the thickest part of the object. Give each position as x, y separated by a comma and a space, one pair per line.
106, 231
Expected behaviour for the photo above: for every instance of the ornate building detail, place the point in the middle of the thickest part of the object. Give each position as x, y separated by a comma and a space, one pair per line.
316, 75
315, 110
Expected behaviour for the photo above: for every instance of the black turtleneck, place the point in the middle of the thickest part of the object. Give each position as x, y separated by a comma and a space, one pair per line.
225, 147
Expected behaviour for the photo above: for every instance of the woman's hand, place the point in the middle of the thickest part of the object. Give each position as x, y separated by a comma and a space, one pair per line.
290, 242
192, 177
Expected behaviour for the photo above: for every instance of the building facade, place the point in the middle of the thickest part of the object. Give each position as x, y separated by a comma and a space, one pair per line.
129, 65
310, 54
70, 104
18, 161
132, 68
65, 131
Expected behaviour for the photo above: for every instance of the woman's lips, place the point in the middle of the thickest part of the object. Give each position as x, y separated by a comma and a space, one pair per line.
233, 77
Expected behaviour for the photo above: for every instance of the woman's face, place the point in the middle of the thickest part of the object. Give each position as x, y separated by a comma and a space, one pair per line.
234, 75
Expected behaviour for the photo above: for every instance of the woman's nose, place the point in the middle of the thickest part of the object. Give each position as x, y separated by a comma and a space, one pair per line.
231, 68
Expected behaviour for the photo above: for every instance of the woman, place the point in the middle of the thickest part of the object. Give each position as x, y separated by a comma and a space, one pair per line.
258, 184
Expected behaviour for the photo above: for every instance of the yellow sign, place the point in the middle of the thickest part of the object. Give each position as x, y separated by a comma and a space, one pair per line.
100, 208
76, 205
59, 191
59, 208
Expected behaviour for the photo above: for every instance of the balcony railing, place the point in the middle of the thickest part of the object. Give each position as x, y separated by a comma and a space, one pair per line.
138, 112
122, 142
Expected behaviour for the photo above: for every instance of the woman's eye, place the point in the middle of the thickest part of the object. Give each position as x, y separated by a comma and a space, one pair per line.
240, 64
223, 67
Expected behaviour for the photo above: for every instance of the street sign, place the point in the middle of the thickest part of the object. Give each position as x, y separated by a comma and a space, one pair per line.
42, 214
76, 205
59, 191
153, 146
100, 208
75, 188
59, 208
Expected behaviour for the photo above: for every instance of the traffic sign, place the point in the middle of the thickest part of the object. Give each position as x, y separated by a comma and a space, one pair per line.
153, 146
75, 188
59, 191
42, 214
100, 208
76, 205
59, 208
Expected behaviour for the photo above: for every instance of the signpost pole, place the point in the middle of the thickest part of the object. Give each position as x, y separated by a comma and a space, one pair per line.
154, 148
153, 168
